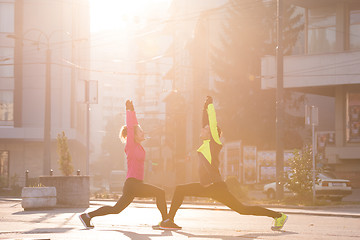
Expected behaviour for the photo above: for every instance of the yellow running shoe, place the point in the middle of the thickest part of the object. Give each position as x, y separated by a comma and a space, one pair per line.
279, 222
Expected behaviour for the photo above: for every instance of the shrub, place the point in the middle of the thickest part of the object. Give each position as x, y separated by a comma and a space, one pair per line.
65, 160
299, 178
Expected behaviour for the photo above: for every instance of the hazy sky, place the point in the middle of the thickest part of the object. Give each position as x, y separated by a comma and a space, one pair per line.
117, 14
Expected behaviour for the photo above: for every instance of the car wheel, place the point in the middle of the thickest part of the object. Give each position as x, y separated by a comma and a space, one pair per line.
270, 194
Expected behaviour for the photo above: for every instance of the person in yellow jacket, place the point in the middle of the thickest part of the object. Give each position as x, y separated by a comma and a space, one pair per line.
211, 183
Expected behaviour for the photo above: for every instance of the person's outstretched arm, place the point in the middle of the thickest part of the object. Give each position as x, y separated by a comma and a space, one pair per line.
131, 122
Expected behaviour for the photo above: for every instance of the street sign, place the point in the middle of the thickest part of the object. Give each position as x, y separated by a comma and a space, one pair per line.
311, 115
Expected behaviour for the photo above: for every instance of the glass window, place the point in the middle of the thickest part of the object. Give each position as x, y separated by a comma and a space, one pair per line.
354, 37
7, 17
322, 30
353, 117
6, 70
298, 47
6, 62
6, 108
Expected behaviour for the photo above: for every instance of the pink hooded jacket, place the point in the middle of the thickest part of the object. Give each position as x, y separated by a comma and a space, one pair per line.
135, 153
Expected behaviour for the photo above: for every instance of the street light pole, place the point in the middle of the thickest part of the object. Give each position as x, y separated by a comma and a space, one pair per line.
279, 105
87, 128
47, 118
314, 122
312, 118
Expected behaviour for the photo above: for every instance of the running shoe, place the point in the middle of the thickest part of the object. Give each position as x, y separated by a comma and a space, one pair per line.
156, 227
85, 219
279, 222
169, 225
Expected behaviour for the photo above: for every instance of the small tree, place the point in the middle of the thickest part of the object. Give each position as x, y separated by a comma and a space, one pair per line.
299, 178
65, 160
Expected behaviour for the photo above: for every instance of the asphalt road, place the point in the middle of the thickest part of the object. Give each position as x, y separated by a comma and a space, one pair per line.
198, 222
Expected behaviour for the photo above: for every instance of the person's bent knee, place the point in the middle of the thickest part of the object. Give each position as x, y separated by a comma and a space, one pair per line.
115, 210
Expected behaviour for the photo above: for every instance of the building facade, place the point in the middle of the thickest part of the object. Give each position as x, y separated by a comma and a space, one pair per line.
44, 53
326, 64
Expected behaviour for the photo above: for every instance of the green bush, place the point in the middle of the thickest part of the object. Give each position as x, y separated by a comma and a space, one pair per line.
299, 179
65, 160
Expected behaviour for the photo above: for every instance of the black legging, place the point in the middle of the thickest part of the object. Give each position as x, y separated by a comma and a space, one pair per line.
219, 192
134, 188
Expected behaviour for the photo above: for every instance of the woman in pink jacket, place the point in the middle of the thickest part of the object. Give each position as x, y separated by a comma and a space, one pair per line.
134, 186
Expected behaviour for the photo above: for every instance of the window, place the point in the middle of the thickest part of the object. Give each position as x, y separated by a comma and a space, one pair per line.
4, 169
6, 86
354, 31
6, 62
298, 47
6, 17
353, 117
322, 30
6, 108
6, 65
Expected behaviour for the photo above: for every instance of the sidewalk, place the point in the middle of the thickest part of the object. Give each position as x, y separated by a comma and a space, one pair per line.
346, 210
340, 211
136, 221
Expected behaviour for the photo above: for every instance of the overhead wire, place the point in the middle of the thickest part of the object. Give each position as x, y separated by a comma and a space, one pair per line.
184, 17
195, 15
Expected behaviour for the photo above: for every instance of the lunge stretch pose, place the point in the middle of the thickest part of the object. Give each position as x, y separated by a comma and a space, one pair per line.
133, 135
211, 184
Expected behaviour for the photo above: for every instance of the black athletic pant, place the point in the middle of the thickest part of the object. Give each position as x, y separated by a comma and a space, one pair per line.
134, 188
219, 192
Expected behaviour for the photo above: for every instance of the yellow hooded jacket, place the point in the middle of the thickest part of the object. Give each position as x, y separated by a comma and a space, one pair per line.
209, 151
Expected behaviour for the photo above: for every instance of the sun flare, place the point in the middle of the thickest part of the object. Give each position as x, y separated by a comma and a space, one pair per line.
117, 14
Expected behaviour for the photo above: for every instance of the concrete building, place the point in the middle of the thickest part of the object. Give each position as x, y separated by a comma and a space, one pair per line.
327, 65
44, 54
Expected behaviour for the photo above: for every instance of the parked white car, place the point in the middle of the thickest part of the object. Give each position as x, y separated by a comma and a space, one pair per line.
327, 187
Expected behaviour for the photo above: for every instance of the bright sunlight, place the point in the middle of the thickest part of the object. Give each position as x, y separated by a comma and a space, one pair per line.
117, 14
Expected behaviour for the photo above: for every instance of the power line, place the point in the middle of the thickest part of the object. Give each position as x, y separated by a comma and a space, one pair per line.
191, 15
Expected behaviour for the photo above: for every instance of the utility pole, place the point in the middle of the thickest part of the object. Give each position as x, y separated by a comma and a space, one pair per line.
91, 91
312, 118
87, 128
47, 119
279, 103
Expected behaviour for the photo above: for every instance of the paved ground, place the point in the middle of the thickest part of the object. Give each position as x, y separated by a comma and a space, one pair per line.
198, 221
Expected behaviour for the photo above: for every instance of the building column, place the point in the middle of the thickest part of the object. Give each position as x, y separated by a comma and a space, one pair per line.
332, 153
340, 27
